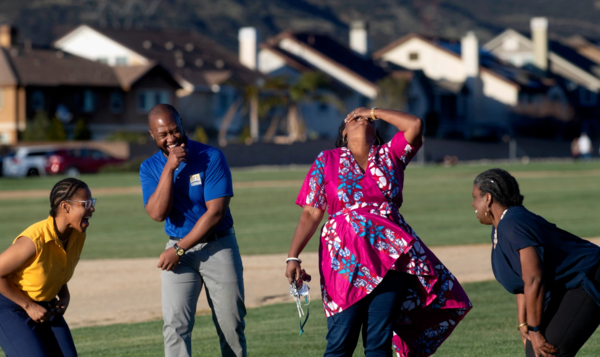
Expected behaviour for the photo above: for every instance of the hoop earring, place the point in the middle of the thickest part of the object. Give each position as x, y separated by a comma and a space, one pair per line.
379, 140
344, 140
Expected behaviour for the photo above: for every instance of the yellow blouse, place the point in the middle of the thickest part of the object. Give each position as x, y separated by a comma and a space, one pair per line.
52, 267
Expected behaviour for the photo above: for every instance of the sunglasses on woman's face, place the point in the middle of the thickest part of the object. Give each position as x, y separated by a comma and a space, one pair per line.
87, 203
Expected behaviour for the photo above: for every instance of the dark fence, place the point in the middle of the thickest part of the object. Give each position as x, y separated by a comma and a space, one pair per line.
435, 150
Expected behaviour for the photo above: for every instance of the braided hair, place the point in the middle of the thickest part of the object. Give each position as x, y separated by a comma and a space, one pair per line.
501, 185
340, 142
64, 190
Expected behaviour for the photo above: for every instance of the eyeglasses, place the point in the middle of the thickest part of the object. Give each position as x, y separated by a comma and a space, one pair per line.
88, 203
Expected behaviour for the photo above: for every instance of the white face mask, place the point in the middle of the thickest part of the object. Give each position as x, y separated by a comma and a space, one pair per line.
299, 289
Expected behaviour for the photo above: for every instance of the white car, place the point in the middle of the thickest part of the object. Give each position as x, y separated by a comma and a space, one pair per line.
26, 161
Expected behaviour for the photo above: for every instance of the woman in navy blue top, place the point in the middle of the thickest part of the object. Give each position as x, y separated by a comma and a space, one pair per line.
554, 274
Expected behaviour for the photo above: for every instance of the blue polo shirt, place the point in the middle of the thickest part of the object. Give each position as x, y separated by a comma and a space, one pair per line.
204, 177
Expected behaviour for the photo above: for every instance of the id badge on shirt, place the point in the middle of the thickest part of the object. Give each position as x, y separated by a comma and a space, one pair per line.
195, 180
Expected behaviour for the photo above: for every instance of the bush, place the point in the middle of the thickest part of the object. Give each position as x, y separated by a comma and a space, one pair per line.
37, 127
200, 135
130, 137
132, 165
82, 131
56, 131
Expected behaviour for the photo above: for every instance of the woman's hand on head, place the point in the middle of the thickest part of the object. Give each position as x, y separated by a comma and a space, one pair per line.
357, 113
292, 271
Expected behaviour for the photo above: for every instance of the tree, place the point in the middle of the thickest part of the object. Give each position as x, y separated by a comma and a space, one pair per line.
82, 131
308, 87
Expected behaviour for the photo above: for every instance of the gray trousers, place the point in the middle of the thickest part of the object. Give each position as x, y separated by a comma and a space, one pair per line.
218, 266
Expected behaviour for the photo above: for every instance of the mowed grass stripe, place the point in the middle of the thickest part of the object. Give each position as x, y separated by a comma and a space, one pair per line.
488, 330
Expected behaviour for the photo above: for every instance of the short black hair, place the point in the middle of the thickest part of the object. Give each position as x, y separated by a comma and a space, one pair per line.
64, 190
503, 187
340, 142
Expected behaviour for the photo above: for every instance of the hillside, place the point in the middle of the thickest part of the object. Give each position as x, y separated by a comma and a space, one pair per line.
43, 20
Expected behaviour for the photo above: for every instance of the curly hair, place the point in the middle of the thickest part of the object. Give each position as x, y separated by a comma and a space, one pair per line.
339, 142
503, 187
64, 190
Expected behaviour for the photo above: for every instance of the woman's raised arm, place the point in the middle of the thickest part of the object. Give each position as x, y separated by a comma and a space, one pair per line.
407, 123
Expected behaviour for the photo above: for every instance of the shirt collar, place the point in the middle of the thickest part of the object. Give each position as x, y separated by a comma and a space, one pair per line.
51, 233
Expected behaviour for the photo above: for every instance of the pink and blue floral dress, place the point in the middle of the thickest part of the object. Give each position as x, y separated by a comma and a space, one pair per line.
365, 237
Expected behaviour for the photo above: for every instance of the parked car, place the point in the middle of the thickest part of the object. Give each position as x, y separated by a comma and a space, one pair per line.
26, 161
72, 162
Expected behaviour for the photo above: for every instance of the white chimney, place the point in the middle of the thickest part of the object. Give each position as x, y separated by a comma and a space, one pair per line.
539, 35
469, 47
359, 38
248, 38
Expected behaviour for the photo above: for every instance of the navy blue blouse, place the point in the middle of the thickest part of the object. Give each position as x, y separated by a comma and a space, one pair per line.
566, 259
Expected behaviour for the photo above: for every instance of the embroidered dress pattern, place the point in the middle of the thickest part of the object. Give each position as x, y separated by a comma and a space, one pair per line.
366, 236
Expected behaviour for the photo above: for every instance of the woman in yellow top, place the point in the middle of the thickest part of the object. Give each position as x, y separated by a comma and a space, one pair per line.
34, 272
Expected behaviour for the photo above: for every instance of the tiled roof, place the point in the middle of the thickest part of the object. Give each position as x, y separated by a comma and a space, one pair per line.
49, 67
185, 54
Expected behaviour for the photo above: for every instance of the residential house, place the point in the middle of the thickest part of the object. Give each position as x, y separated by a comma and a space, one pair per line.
289, 54
573, 65
50, 80
460, 89
210, 76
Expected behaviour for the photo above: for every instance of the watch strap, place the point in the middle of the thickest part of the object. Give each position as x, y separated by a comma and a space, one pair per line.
534, 328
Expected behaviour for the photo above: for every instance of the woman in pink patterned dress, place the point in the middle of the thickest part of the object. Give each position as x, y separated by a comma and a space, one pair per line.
376, 273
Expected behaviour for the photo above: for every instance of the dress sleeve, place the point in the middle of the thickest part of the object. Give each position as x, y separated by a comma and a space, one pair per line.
401, 149
312, 192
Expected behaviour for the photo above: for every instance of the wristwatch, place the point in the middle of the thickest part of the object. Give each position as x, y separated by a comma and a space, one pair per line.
178, 250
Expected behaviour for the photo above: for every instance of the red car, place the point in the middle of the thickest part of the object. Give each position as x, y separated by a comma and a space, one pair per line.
72, 162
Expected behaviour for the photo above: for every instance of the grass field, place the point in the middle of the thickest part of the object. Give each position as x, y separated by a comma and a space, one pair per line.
437, 203
488, 330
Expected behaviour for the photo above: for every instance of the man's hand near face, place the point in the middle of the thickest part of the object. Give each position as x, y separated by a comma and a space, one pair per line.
177, 155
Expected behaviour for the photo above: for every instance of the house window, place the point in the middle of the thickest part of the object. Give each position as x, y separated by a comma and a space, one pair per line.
223, 102
89, 101
413, 56
37, 100
121, 61
103, 60
323, 107
116, 102
148, 98
587, 97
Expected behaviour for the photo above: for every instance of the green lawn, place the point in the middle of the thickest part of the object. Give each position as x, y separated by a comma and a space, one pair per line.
488, 330
437, 203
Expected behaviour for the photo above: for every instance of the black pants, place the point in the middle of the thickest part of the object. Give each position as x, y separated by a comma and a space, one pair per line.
569, 320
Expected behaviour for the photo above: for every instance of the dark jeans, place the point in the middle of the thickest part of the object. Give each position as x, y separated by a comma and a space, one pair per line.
569, 320
375, 314
22, 337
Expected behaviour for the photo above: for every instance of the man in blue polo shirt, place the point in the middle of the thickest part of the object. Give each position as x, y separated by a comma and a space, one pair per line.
188, 185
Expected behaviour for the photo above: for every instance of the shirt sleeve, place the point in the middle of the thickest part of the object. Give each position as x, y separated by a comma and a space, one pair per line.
401, 149
519, 234
217, 178
148, 181
312, 192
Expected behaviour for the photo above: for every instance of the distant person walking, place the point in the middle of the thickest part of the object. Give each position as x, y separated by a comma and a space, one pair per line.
585, 147
34, 272
188, 185
554, 274
376, 273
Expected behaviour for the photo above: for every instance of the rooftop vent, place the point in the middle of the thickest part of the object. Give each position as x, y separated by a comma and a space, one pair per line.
219, 63
199, 62
189, 47
169, 46
147, 44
